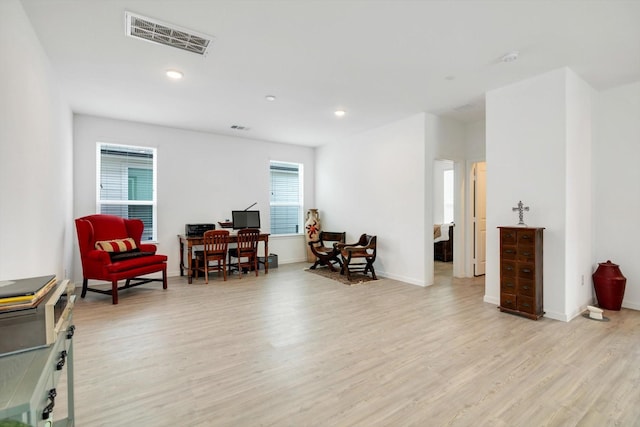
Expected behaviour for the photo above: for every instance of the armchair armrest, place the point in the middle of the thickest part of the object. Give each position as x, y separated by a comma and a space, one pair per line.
97, 255
148, 247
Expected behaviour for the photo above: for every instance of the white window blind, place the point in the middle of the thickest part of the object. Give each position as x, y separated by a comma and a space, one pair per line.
286, 198
127, 184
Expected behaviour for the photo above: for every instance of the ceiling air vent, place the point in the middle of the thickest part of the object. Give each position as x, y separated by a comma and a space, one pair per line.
152, 30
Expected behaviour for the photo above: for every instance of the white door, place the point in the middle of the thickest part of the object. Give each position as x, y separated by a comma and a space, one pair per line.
479, 218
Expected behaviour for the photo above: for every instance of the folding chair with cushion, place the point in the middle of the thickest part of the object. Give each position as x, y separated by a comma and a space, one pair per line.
358, 256
325, 249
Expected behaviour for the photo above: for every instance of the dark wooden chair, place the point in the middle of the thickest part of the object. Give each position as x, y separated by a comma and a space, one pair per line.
247, 248
216, 244
359, 256
325, 250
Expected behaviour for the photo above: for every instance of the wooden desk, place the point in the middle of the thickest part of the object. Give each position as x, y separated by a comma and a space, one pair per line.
191, 241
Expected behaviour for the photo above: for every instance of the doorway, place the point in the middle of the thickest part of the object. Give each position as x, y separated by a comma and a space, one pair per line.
479, 174
444, 208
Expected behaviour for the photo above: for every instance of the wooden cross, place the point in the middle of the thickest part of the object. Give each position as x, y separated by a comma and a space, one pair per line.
521, 208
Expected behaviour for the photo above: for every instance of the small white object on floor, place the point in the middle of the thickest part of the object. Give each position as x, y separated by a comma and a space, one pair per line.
595, 312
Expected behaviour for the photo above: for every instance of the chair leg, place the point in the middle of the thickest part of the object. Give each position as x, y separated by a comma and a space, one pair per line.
114, 291
255, 263
224, 268
164, 278
206, 271
84, 287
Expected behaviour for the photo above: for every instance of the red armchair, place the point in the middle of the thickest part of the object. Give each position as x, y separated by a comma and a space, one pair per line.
110, 250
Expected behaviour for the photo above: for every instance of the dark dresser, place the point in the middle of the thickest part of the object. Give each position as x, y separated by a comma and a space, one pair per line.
521, 271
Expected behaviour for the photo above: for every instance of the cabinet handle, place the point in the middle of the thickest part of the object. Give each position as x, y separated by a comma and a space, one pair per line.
508, 267
46, 412
70, 331
526, 270
526, 288
509, 285
525, 305
525, 237
526, 253
61, 361
510, 251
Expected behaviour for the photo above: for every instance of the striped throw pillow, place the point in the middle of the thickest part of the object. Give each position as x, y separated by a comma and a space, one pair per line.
117, 245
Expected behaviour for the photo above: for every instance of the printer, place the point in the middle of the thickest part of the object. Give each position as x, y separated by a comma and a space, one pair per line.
197, 230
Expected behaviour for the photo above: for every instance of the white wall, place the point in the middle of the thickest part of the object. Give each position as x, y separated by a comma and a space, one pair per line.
202, 177
616, 194
532, 128
475, 149
36, 230
579, 220
374, 183
474, 141
439, 167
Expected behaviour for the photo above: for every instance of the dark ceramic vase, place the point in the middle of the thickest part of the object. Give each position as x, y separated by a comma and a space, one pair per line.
609, 284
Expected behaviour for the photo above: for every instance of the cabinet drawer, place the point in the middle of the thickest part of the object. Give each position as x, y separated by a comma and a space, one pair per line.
526, 288
509, 252
526, 237
508, 268
526, 271
508, 301
508, 237
526, 304
526, 253
508, 285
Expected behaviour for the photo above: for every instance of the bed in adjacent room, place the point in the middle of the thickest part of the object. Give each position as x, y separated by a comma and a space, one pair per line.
443, 242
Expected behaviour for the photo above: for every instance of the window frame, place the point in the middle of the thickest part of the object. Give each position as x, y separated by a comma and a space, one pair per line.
154, 176
299, 203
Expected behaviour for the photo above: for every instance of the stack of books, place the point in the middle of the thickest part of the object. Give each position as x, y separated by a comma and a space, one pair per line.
24, 293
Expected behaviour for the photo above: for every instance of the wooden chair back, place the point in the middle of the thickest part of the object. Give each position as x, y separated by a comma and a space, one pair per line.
248, 240
216, 243
247, 247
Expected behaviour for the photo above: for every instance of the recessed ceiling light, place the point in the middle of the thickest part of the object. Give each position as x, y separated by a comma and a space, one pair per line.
511, 56
340, 113
174, 74
270, 98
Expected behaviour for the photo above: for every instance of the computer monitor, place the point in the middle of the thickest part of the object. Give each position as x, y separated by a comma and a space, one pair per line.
245, 219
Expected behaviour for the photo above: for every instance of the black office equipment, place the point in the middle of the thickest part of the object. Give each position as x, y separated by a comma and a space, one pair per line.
197, 230
245, 219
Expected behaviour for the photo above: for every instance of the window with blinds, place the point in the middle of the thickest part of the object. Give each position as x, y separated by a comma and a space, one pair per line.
286, 198
127, 184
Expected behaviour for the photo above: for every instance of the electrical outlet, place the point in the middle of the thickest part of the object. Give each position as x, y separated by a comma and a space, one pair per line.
582, 279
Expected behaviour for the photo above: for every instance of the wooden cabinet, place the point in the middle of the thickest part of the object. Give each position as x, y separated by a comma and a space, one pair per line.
521, 271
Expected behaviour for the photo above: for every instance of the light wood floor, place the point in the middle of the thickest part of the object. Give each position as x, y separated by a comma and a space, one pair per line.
295, 349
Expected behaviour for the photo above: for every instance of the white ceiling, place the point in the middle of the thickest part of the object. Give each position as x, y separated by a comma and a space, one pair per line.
378, 60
